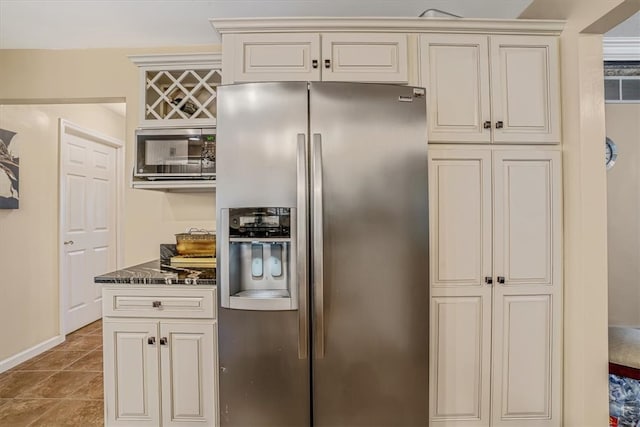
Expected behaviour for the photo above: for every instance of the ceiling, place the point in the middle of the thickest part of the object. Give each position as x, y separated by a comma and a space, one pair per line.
77, 24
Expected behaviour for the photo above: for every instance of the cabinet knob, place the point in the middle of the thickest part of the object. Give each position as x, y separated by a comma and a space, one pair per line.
68, 242
499, 124
487, 124
488, 280
314, 63
151, 340
156, 304
163, 341
501, 280
327, 63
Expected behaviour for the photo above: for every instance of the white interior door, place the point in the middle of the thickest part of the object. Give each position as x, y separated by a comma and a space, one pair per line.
88, 191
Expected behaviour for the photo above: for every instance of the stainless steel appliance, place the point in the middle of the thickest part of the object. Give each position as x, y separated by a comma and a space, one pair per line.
322, 255
175, 153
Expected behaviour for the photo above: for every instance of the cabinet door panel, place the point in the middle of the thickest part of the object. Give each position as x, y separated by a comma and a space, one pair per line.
276, 57
523, 357
188, 373
365, 57
460, 217
527, 306
460, 359
525, 89
527, 217
132, 395
455, 71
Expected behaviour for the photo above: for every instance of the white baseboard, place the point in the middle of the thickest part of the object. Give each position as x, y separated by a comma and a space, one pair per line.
27, 354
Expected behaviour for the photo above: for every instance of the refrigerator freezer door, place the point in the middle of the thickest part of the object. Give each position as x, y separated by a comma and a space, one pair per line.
264, 368
374, 298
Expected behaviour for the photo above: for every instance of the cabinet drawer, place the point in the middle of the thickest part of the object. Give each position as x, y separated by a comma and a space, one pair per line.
164, 303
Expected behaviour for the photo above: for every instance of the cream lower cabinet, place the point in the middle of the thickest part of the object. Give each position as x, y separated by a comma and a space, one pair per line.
496, 298
363, 57
159, 371
491, 88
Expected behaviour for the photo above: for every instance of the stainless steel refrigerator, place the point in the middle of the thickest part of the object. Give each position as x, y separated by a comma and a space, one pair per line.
322, 223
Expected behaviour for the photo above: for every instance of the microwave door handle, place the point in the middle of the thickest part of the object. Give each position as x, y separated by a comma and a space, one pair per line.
302, 267
318, 256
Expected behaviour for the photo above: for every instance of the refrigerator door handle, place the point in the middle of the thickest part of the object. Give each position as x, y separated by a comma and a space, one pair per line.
318, 261
303, 285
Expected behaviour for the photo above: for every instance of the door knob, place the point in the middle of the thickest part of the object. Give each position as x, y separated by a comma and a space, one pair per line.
499, 124
327, 63
151, 340
314, 63
163, 341
68, 242
501, 280
487, 124
488, 280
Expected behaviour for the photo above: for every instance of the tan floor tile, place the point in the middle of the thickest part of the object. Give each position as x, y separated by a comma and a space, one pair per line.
18, 382
73, 413
80, 343
59, 385
52, 361
90, 329
94, 389
92, 361
3, 401
19, 412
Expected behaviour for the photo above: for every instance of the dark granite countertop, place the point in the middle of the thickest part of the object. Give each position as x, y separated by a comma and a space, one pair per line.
155, 273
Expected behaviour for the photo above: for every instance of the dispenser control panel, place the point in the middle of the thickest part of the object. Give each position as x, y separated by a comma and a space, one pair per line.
260, 222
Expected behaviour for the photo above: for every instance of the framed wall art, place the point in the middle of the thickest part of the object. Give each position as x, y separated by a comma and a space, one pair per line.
9, 170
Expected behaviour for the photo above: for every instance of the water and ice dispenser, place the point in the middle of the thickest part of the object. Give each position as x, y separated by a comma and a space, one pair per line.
258, 247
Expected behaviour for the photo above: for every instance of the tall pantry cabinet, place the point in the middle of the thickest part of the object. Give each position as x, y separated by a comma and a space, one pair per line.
495, 229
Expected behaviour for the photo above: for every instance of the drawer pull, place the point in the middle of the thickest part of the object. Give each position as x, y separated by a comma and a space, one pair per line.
163, 341
156, 304
151, 340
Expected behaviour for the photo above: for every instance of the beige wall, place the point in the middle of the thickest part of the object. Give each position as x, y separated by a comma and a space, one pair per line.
623, 215
150, 217
29, 250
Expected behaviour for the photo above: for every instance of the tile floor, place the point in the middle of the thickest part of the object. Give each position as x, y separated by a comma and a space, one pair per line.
61, 387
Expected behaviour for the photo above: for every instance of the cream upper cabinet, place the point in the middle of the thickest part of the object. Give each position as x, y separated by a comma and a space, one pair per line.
364, 57
491, 89
495, 248
275, 57
308, 56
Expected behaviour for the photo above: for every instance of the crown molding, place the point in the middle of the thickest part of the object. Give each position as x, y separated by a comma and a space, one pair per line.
377, 24
621, 48
181, 59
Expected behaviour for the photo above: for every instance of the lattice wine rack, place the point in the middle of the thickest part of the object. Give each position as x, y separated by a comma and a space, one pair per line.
179, 90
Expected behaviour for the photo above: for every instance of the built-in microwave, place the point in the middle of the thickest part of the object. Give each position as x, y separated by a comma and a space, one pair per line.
174, 153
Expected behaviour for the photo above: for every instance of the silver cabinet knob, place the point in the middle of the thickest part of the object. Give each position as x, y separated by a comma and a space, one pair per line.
68, 242
156, 304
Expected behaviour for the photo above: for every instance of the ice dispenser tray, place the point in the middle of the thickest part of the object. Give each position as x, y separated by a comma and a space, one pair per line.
258, 252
